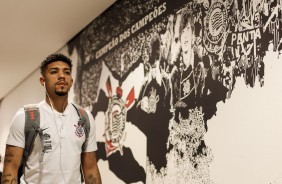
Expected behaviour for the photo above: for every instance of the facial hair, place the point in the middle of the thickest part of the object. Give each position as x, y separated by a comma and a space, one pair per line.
61, 93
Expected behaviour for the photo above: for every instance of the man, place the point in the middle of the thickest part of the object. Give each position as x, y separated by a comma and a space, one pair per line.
57, 155
188, 74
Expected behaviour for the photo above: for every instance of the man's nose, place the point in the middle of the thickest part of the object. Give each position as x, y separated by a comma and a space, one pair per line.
62, 74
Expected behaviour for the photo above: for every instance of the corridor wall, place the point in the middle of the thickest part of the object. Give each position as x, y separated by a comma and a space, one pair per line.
181, 91
184, 91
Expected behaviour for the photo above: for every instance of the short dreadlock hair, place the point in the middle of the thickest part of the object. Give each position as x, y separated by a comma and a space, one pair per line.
53, 58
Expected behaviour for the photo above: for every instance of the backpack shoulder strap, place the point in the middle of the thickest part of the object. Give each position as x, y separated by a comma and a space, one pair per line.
83, 121
32, 125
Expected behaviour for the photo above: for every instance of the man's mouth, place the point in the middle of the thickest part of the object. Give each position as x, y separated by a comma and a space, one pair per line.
61, 83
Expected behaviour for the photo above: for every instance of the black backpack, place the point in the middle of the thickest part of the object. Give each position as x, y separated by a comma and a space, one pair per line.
32, 129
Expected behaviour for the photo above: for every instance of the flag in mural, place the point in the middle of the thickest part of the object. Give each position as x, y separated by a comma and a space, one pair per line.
153, 73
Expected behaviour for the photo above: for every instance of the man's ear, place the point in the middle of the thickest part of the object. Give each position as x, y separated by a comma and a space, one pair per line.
42, 80
71, 80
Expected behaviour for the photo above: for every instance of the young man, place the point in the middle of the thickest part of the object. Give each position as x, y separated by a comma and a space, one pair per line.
61, 151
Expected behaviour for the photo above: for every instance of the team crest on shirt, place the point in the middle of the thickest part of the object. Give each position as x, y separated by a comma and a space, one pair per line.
79, 131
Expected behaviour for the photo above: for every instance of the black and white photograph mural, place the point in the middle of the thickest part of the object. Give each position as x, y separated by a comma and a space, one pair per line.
184, 91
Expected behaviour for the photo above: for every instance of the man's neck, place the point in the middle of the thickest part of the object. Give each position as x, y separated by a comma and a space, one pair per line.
58, 103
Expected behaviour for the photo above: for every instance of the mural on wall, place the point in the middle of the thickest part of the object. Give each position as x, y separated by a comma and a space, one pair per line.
161, 67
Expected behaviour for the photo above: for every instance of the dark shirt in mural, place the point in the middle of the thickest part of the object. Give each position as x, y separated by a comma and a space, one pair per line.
151, 114
124, 165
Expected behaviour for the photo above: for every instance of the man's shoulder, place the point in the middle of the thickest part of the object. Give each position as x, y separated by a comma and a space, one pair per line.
21, 111
31, 107
78, 107
34, 105
18, 119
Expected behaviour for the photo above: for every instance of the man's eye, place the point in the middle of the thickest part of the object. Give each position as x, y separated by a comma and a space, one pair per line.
53, 71
67, 72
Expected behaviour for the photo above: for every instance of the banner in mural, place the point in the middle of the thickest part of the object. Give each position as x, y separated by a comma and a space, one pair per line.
154, 72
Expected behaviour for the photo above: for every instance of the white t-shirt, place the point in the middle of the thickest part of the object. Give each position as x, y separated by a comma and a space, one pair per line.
62, 145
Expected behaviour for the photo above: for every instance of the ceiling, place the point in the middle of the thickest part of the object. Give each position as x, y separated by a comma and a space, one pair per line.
30, 30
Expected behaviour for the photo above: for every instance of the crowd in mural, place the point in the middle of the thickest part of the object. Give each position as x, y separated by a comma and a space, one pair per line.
192, 57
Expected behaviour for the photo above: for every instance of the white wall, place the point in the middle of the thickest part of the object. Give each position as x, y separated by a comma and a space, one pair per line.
29, 91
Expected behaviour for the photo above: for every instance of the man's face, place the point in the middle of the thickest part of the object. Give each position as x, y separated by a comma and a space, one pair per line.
186, 38
256, 18
58, 79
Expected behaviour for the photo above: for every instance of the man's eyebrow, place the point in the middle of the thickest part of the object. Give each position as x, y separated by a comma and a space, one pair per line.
57, 68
